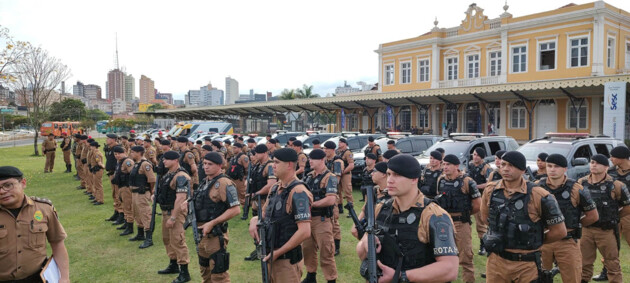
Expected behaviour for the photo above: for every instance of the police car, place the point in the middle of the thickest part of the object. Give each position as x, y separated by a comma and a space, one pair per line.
576, 147
308, 138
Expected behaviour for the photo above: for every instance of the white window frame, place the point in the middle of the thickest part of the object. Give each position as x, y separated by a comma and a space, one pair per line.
570, 111
511, 66
386, 78
446, 66
588, 50
468, 62
419, 120
489, 63
610, 51
512, 108
627, 52
427, 68
539, 57
403, 71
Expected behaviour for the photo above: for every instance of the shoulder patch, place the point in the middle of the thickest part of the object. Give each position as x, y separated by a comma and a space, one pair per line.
128, 163
147, 167
42, 200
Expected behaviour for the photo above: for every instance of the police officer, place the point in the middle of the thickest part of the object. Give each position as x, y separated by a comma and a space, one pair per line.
141, 182
238, 170
75, 145
316, 144
541, 172
195, 147
124, 141
373, 148
121, 180
323, 186
479, 171
509, 207
495, 175
459, 196
391, 145
85, 157
251, 144
613, 202
303, 166
65, 146
157, 144
79, 162
173, 191
216, 202
96, 167
416, 227
110, 168
48, 148
286, 219
33, 219
187, 161
205, 149
271, 147
430, 174
573, 201
228, 149
344, 153
334, 165
387, 155
366, 175
621, 172
379, 178
150, 153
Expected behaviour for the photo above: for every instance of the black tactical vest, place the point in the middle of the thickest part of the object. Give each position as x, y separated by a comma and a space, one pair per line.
475, 173
121, 179
165, 196
453, 200
400, 237
314, 184
138, 180
429, 185
236, 170
563, 196
621, 178
110, 159
206, 209
184, 164
607, 207
366, 177
496, 176
510, 218
260, 180
201, 174
340, 156
276, 217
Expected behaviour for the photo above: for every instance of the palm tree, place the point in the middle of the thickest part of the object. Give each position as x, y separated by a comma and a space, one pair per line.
306, 92
287, 94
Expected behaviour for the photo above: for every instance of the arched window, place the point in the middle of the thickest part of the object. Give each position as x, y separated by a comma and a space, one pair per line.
518, 114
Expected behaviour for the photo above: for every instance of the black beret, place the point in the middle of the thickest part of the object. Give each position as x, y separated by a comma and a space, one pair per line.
315, 141
381, 167
499, 153
124, 137
171, 155
371, 156
317, 154
199, 142
214, 157
95, 144
268, 135
543, 156
228, 142
112, 136
370, 138
207, 147
207, 139
436, 155
330, 145
250, 140
285, 155
147, 140
10, 172
297, 143
601, 159
405, 165
165, 142
452, 159
216, 143
391, 142
441, 150
515, 158
620, 152
78, 136
238, 144
137, 148
174, 138
118, 149
557, 159
292, 139
261, 148
84, 137
481, 152
182, 139
390, 153
272, 141
158, 139
90, 140
132, 139
343, 140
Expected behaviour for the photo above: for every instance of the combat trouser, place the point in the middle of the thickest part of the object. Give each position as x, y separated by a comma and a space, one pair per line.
321, 240
594, 239
174, 238
142, 209
463, 240
566, 253
207, 247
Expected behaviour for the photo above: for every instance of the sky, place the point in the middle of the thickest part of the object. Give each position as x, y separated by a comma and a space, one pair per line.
264, 45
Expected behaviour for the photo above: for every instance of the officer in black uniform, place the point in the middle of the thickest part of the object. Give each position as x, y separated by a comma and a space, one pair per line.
417, 239
366, 175
430, 174
110, 167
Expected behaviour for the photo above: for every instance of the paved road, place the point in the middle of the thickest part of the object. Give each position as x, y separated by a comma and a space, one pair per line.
28, 141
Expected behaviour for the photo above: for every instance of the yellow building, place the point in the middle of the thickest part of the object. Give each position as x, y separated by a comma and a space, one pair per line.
464, 77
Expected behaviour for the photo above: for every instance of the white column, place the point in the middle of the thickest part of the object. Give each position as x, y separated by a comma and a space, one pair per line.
504, 56
599, 40
503, 117
596, 108
380, 68
435, 125
435, 66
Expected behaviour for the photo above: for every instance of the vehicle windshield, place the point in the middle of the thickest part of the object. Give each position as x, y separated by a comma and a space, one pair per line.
531, 150
450, 147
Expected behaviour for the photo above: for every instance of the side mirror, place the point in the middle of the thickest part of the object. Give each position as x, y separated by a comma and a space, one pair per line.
580, 161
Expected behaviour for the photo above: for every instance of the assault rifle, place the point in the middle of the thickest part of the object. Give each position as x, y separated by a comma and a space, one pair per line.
248, 193
191, 219
154, 204
357, 223
261, 246
370, 271
530, 174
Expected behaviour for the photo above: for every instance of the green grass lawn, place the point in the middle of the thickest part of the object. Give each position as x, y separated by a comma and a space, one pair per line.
98, 254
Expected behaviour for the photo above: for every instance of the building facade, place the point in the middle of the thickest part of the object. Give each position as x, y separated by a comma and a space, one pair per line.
130, 88
231, 91
115, 85
147, 89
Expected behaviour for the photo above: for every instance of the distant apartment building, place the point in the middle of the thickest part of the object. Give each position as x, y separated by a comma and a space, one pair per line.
231, 91
346, 88
147, 89
6, 96
119, 106
178, 102
205, 96
130, 88
90, 91
115, 85
167, 97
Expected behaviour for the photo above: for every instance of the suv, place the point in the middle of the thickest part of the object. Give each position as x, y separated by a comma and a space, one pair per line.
405, 143
309, 137
576, 147
282, 137
462, 145
355, 141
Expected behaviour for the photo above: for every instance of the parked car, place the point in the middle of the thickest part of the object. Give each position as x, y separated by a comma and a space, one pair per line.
308, 138
282, 136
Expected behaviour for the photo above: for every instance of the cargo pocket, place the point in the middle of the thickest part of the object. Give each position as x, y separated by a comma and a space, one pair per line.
37, 237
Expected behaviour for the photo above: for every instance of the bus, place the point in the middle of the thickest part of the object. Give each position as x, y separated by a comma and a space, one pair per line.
57, 128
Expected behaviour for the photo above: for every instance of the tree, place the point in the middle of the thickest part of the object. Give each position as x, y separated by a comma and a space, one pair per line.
97, 115
12, 53
306, 92
67, 110
154, 106
36, 77
287, 94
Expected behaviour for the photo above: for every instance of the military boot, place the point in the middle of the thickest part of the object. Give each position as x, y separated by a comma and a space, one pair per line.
128, 230
337, 246
482, 248
172, 268
340, 206
603, 276
310, 278
113, 217
148, 241
184, 276
139, 236
68, 169
120, 219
